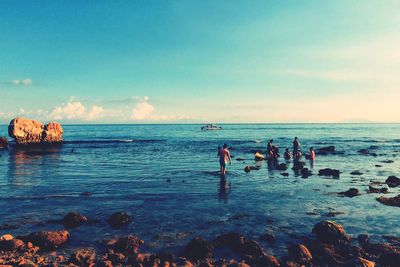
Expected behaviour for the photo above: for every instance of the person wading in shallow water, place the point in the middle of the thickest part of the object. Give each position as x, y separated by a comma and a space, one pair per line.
224, 156
296, 149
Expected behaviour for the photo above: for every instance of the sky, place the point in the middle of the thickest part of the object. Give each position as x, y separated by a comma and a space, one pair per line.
183, 61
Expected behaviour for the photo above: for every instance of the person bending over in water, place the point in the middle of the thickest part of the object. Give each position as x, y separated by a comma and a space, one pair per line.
287, 154
224, 156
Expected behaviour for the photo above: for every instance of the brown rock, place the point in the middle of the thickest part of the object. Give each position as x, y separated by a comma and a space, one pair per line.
352, 192
3, 143
26, 131
300, 254
393, 181
128, 245
329, 232
52, 133
83, 257
49, 240
359, 262
390, 201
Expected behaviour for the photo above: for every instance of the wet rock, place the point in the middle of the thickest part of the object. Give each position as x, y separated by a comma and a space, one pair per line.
305, 172
393, 181
390, 201
9, 243
379, 249
333, 213
300, 254
3, 143
266, 260
325, 150
382, 190
285, 174
378, 165
49, 240
233, 240
74, 219
119, 219
298, 165
252, 248
363, 151
329, 232
52, 133
282, 167
128, 245
26, 131
359, 262
83, 257
391, 259
250, 168
269, 237
362, 239
329, 172
6, 226
352, 192
387, 161
198, 249
356, 173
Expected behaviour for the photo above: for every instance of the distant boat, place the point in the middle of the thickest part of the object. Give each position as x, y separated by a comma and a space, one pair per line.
211, 127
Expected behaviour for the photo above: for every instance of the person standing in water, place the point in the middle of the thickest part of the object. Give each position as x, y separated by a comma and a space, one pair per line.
270, 148
224, 156
312, 153
296, 148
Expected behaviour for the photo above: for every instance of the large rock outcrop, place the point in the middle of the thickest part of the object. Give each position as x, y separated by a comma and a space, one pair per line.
26, 131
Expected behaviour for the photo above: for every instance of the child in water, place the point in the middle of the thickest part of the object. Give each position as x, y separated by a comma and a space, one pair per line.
287, 154
224, 156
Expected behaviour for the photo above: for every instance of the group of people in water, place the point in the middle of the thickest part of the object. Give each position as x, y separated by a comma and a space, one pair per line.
272, 154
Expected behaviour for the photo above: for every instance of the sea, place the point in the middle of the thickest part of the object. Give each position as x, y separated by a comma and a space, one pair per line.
166, 177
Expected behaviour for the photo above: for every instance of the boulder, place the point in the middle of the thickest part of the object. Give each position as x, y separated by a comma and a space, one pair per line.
49, 240
300, 254
352, 192
329, 172
83, 257
393, 181
233, 240
3, 143
359, 262
356, 173
9, 243
74, 219
282, 167
329, 232
119, 219
390, 201
52, 133
298, 165
269, 237
198, 249
325, 150
305, 172
128, 245
26, 131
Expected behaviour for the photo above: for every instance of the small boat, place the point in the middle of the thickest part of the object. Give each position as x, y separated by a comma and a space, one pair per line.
209, 127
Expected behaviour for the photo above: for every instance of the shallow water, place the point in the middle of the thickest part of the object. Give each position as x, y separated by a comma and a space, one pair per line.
126, 167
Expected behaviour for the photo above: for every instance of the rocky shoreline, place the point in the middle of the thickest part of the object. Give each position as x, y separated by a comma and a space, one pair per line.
327, 245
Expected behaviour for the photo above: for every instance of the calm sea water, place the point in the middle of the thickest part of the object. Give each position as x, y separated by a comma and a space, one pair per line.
126, 168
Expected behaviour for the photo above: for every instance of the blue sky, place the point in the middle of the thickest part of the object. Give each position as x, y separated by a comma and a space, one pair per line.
200, 61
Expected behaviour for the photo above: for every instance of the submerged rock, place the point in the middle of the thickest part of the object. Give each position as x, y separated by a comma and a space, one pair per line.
325, 150
26, 131
363, 151
250, 168
329, 232
356, 173
282, 167
83, 257
390, 201
119, 219
329, 172
128, 245
3, 143
382, 190
393, 181
74, 219
352, 192
305, 172
49, 240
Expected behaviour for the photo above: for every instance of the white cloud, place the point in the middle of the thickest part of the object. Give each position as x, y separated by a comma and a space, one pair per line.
75, 110
142, 110
26, 82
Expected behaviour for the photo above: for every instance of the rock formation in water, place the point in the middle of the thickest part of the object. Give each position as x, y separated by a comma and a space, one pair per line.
3, 143
26, 131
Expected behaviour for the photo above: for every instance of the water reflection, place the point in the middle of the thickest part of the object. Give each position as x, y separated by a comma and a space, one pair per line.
26, 165
224, 188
